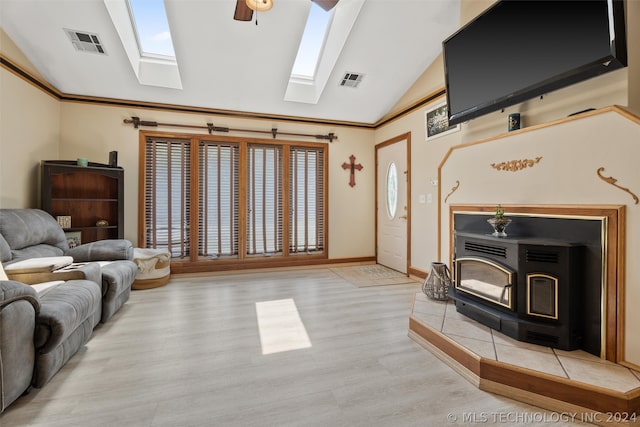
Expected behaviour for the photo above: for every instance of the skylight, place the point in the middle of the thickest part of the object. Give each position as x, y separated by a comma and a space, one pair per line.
146, 39
150, 23
313, 38
324, 37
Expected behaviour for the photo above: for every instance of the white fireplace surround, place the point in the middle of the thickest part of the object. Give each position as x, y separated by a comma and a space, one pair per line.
585, 161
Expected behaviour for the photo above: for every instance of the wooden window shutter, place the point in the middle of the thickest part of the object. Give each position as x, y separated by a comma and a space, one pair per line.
219, 196
264, 199
167, 201
307, 181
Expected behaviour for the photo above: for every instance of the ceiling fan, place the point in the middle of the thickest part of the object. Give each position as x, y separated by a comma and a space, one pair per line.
245, 8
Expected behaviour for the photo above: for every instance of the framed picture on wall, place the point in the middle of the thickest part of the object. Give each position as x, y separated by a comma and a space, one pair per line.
437, 122
74, 238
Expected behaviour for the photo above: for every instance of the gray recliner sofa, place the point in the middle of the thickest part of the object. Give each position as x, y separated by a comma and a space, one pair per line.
34, 233
43, 326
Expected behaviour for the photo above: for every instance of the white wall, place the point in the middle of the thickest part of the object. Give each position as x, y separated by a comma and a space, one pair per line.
602, 91
29, 132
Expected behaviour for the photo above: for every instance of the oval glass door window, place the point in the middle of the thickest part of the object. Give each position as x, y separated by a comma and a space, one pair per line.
392, 190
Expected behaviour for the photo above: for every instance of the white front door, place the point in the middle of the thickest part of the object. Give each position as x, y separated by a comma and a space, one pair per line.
392, 204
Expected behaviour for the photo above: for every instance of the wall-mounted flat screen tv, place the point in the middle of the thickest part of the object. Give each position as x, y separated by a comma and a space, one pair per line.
517, 50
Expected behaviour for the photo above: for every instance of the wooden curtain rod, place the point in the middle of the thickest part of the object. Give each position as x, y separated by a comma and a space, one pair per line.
136, 122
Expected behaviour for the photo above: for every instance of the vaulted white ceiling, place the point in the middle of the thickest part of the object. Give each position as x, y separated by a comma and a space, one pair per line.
239, 66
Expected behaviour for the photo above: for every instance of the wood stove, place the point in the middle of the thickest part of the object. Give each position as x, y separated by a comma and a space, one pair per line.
527, 288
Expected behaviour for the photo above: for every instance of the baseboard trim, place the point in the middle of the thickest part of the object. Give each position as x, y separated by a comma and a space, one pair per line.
417, 273
190, 270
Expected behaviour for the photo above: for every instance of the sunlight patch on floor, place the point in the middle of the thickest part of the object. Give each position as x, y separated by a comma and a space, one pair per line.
280, 326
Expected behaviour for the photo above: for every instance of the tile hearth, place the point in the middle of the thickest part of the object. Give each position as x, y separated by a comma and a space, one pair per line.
477, 349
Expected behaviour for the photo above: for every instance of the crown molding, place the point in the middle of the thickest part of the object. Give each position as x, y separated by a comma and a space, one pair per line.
52, 91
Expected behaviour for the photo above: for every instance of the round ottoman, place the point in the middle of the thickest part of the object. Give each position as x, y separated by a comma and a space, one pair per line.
154, 268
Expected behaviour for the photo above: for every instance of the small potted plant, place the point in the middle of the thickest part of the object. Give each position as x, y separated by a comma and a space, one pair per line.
499, 222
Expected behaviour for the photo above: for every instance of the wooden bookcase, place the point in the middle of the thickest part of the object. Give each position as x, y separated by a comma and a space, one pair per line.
87, 194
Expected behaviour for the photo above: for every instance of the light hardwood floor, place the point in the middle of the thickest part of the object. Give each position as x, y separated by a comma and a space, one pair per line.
189, 354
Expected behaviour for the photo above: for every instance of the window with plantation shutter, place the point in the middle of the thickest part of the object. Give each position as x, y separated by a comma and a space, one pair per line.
264, 199
218, 172
244, 200
306, 174
167, 201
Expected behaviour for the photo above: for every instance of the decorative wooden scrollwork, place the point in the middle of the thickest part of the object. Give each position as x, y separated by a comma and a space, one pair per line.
453, 190
516, 165
611, 180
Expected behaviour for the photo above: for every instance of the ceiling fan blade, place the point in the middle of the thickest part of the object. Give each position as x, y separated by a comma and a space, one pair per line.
243, 13
325, 4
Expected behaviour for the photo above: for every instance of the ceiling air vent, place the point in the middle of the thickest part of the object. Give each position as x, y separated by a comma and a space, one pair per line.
85, 42
351, 79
